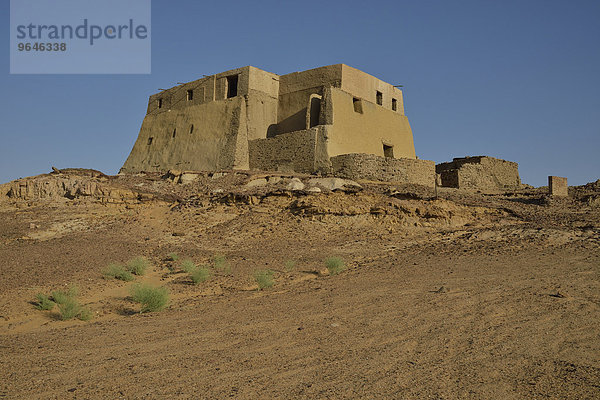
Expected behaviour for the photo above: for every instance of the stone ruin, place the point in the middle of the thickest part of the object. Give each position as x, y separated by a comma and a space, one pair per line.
479, 173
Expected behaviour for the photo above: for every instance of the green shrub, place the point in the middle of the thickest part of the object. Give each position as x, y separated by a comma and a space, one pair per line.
85, 314
71, 308
290, 265
188, 265
335, 265
44, 302
138, 265
68, 306
151, 298
117, 271
172, 257
199, 274
264, 278
61, 297
220, 263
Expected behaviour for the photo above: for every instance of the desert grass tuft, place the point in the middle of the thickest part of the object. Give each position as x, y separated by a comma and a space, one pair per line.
68, 306
172, 257
61, 297
117, 271
71, 308
264, 279
199, 274
290, 265
335, 265
151, 298
44, 302
188, 265
138, 265
220, 263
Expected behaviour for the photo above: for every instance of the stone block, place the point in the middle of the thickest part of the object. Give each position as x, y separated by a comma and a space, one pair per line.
557, 186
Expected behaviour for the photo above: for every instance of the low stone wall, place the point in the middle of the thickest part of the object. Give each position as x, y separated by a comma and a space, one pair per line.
376, 168
289, 152
479, 173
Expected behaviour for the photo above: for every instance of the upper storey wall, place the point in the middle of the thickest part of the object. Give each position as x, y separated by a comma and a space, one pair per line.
263, 81
295, 90
367, 87
236, 82
318, 77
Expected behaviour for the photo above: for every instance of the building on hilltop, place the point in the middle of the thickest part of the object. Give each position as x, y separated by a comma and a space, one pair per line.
248, 118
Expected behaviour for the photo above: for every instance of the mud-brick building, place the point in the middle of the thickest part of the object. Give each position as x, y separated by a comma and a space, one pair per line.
248, 118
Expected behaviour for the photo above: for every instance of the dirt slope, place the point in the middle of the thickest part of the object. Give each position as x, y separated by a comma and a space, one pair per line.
466, 296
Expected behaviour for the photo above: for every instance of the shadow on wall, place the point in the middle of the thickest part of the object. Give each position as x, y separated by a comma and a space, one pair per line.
293, 123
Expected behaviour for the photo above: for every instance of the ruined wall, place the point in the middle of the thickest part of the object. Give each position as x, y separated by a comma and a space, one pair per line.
375, 168
209, 136
301, 151
558, 186
479, 173
367, 130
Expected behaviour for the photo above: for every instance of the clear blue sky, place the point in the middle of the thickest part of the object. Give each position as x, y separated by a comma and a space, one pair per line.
514, 79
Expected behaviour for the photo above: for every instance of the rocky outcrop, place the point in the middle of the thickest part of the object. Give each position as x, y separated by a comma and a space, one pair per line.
68, 186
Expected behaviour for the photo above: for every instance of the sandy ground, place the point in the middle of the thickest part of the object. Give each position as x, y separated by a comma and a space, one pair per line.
470, 296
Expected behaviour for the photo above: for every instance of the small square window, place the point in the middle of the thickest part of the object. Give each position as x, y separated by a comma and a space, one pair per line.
394, 105
190, 95
150, 139
357, 105
379, 98
160, 103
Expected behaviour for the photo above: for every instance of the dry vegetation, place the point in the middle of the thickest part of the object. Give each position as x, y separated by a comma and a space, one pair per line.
216, 290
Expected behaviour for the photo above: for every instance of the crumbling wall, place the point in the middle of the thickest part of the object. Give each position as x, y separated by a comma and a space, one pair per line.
294, 151
375, 168
479, 173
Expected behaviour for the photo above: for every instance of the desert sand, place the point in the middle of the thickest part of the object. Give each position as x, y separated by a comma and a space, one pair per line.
462, 295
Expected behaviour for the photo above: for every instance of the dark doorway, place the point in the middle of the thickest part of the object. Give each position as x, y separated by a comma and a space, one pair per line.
388, 151
315, 110
232, 86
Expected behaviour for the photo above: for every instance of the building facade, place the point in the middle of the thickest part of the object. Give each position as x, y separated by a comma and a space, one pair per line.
248, 118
